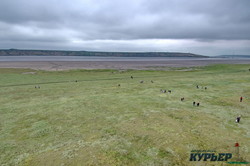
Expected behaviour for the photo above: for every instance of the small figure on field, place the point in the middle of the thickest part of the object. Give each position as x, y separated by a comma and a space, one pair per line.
197, 86
163, 91
152, 81
194, 103
205, 88
238, 119
198, 104
241, 98
119, 84
132, 77
141, 81
75, 80
169, 91
182, 99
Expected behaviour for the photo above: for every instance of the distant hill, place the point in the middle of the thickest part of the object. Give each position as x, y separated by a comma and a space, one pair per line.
233, 56
17, 52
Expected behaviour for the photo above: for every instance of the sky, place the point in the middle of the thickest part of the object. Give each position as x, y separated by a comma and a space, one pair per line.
205, 27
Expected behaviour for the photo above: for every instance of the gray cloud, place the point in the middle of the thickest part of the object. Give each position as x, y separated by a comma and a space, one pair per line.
66, 23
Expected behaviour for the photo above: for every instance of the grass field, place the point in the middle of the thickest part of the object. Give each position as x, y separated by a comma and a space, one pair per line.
95, 122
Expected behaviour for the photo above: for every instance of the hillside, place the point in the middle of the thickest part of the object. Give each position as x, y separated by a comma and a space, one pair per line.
16, 52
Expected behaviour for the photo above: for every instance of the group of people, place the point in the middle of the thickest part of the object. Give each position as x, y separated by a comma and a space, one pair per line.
143, 81
197, 86
165, 91
239, 116
182, 99
197, 104
133, 78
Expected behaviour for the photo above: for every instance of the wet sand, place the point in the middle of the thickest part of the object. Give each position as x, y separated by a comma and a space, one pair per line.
139, 65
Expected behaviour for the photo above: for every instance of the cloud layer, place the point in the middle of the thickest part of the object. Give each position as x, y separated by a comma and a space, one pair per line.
199, 26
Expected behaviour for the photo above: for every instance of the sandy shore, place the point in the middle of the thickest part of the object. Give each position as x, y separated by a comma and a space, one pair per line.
66, 65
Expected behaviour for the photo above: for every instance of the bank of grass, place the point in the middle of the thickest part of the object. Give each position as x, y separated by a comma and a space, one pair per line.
95, 122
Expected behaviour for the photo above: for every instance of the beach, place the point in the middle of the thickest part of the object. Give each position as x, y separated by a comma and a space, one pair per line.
143, 64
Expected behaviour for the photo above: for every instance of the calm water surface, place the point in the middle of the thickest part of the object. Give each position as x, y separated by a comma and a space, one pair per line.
91, 58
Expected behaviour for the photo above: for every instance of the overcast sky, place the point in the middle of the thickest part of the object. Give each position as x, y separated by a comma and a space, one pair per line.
207, 27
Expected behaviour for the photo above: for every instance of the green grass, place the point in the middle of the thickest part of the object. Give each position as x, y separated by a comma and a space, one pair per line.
95, 122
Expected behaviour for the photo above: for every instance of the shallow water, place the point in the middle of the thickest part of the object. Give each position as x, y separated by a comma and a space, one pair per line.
91, 58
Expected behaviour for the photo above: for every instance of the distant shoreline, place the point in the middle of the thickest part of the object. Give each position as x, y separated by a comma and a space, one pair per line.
17, 52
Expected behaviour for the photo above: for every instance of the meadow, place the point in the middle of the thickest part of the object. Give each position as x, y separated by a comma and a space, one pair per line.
82, 117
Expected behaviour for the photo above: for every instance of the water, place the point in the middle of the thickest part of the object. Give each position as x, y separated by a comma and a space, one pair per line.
90, 58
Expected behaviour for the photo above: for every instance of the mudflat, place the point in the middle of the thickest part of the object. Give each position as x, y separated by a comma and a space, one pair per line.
140, 65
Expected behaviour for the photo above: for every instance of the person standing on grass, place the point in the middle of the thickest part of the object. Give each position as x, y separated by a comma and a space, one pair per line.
238, 119
241, 98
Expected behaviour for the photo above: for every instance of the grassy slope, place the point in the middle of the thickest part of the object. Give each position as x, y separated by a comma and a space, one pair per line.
95, 122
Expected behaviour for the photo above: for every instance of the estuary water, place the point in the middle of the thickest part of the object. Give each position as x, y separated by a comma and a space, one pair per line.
91, 58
